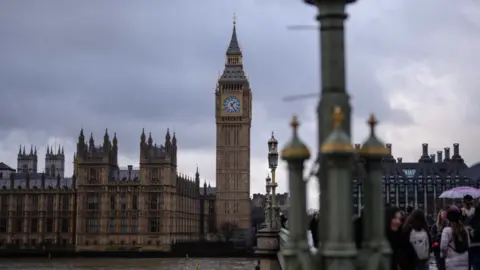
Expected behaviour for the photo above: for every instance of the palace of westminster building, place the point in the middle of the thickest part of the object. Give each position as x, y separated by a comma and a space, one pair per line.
102, 207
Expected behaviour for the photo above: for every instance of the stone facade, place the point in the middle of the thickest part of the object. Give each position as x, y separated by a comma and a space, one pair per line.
103, 207
233, 112
416, 184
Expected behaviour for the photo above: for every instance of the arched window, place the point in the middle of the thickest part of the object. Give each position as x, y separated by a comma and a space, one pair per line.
52, 170
93, 176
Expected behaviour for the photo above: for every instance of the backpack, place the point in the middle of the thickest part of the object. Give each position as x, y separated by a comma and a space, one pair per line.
420, 243
461, 246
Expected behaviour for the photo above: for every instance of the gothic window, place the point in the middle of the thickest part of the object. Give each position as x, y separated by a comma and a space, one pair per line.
65, 202
49, 225
33, 225
133, 225
3, 225
124, 202
65, 225
34, 202
154, 175
19, 203
124, 225
92, 202
25, 168
92, 225
112, 202
153, 201
111, 225
52, 171
236, 136
50, 199
135, 202
92, 176
153, 225
4, 202
18, 225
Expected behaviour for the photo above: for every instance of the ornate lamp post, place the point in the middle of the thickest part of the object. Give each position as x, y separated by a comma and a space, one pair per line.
268, 203
272, 164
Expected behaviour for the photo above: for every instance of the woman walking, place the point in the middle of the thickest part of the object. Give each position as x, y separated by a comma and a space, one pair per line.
455, 242
393, 226
474, 252
415, 242
436, 234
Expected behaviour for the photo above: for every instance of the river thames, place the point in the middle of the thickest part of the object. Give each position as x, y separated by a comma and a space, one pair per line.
137, 264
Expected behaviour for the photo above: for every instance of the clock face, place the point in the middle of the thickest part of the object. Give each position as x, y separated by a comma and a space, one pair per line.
231, 104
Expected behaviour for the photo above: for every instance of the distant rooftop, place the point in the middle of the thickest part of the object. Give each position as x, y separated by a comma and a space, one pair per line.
5, 167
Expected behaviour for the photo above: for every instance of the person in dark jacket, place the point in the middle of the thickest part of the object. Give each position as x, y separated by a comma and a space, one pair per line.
410, 210
358, 230
474, 251
436, 234
283, 220
393, 228
393, 224
314, 229
415, 224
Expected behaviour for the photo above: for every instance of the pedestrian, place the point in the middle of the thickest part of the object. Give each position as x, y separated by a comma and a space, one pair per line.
455, 241
358, 230
415, 242
467, 210
393, 232
474, 251
257, 267
436, 232
314, 229
410, 210
283, 220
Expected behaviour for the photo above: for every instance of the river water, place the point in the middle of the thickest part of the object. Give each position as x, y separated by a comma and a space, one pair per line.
137, 264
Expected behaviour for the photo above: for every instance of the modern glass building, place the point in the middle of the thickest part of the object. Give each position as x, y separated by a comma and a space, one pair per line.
417, 184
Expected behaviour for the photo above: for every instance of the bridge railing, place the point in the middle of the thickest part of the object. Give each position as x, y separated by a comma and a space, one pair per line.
283, 237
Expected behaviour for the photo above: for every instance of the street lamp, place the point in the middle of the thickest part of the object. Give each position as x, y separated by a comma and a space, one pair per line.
272, 164
268, 209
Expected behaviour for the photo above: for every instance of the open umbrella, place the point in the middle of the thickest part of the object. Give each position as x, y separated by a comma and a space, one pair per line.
460, 192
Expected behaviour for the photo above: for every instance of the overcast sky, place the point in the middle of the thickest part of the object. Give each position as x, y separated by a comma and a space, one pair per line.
125, 65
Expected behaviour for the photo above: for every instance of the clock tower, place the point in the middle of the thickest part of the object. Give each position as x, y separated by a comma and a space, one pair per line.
233, 114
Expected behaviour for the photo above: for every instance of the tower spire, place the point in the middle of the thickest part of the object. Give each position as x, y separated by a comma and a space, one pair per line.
234, 47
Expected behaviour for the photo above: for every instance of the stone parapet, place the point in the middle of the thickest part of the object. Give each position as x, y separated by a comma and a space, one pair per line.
267, 249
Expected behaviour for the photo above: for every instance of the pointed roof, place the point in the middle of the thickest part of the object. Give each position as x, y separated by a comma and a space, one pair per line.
234, 47
5, 167
234, 72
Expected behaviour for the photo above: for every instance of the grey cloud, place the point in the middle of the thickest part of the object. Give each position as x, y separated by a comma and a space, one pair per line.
130, 65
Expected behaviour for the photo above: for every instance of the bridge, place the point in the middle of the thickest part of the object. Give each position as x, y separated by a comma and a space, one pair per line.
283, 236
281, 249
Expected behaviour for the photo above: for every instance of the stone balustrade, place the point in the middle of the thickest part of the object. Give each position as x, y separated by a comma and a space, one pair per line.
283, 239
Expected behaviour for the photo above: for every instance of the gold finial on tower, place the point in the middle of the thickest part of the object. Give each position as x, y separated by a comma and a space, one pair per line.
295, 149
338, 142
337, 117
372, 122
234, 19
294, 124
373, 147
